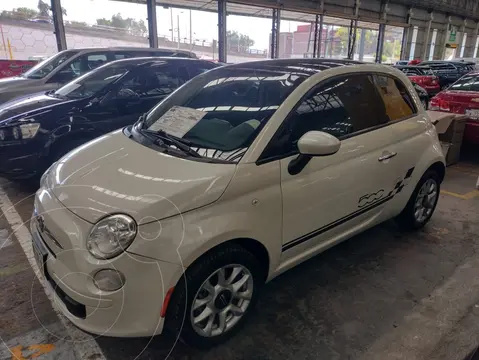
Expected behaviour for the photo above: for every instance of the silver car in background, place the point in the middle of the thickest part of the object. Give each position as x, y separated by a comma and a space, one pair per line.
63, 67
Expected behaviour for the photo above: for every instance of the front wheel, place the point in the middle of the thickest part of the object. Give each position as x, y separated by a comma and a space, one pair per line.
422, 203
215, 296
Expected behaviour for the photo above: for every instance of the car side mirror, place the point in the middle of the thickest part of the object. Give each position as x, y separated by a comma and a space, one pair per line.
313, 143
318, 143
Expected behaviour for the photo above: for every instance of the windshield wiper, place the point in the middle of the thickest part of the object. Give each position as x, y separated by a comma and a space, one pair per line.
162, 136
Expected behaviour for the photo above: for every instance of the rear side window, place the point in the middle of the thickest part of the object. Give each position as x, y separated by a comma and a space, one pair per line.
397, 100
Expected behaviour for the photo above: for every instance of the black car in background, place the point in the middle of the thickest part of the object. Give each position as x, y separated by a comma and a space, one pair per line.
37, 130
448, 72
63, 67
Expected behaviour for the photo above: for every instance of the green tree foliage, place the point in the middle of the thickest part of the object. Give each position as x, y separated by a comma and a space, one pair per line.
133, 26
44, 9
20, 13
237, 40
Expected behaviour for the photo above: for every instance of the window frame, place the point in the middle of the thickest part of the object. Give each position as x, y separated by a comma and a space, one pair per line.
264, 160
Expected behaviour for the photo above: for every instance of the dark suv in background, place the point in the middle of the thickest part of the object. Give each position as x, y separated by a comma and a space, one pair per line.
65, 66
448, 72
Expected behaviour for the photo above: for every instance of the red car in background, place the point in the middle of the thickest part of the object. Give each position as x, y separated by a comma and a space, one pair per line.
10, 68
462, 97
423, 76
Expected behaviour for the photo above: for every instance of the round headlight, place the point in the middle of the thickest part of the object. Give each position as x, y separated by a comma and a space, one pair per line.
109, 280
17, 134
111, 236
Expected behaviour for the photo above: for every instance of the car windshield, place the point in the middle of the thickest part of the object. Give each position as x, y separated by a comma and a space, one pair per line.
45, 67
94, 81
221, 112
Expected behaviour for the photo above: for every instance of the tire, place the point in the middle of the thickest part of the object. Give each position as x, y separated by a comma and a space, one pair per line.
409, 219
191, 287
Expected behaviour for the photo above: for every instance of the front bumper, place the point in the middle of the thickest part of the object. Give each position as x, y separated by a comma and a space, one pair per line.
19, 161
132, 311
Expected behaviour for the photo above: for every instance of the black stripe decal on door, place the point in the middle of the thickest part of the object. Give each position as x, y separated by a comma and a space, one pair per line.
332, 225
397, 189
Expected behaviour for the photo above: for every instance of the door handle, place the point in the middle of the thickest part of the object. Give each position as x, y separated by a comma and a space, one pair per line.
387, 156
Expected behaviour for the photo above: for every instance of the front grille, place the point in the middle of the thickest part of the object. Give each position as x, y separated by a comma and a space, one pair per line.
73, 306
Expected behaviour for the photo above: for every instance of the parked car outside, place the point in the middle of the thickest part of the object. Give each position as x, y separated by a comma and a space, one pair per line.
38, 129
423, 76
448, 71
246, 171
462, 97
67, 65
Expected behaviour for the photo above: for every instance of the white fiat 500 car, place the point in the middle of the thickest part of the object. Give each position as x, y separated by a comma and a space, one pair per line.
247, 170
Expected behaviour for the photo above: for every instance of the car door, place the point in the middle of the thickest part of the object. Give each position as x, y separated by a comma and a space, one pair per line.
333, 196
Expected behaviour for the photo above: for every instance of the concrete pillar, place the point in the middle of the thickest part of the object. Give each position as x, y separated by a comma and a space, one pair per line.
362, 42
426, 37
443, 50
152, 23
405, 43
275, 34
58, 25
380, 44
222, 56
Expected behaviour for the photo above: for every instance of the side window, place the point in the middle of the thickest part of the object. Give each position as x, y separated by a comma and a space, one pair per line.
397, 100
155, 81
169, 77
341, 108
82, 65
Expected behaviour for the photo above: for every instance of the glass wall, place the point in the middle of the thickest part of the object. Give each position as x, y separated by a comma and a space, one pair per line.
104, 23
296, 39
26, 30
190, 30
392, 44
248, 38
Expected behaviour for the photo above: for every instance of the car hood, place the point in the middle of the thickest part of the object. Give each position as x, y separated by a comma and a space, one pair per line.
115, 174
29, 105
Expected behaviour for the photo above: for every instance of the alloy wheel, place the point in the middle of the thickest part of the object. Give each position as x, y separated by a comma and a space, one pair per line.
222, 300
426, 201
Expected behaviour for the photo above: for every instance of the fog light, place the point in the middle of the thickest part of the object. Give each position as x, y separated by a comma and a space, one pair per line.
109, 280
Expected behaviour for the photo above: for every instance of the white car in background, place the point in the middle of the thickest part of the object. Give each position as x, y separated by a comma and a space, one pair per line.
244, 172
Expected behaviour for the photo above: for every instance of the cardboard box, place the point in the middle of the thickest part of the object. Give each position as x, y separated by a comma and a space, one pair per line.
450, 129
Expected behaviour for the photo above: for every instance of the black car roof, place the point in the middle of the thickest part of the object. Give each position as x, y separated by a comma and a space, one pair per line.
152, 59
310, 66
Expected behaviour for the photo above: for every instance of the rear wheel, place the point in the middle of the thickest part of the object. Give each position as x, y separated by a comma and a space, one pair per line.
215, 296
422, 203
